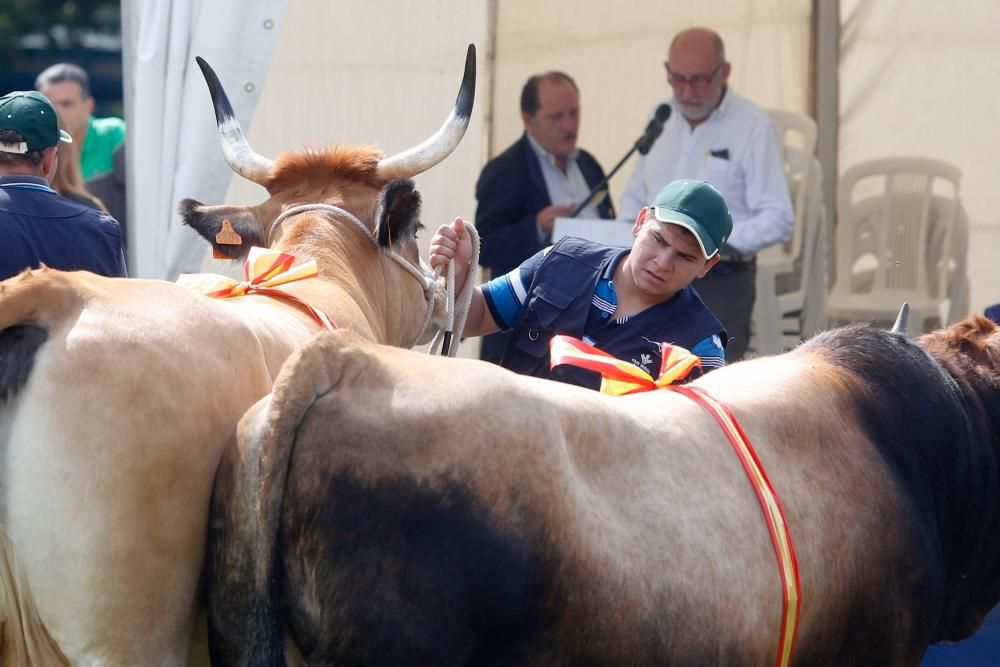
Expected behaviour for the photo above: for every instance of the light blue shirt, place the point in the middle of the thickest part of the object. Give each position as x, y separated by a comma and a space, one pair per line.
565, 189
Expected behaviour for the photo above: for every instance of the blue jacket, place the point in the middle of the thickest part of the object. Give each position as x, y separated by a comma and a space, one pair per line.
37, 226
559, 301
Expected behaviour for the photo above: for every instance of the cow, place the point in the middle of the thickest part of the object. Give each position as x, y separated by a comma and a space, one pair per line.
117, 397
381, 507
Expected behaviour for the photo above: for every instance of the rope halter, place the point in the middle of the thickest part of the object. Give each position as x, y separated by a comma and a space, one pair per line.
432, 289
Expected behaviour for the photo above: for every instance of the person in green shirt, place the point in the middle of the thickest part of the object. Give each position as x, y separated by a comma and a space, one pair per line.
68, 88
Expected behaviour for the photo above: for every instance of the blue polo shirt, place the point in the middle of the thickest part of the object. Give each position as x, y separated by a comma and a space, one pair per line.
37, 227
505, 297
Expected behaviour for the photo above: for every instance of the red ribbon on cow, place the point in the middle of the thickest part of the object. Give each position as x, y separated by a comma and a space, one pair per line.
620, 377
265, 270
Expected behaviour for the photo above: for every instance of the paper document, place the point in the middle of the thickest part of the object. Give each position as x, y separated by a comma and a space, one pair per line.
616, 233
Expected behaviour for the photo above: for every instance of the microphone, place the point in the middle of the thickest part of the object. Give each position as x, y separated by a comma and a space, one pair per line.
642, 144
653, 130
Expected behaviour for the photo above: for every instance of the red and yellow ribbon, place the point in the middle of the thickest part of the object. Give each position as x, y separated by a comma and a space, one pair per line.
265, 271
621, 377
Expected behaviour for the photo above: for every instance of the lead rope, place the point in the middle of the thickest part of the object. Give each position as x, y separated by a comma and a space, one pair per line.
449, 339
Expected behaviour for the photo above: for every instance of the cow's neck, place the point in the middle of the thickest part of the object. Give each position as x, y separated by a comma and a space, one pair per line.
357, 288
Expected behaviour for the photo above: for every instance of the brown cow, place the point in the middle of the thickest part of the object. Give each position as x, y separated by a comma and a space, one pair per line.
417, 510
117, 396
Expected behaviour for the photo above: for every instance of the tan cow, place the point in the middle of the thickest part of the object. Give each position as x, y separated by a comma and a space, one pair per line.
418, 510
117, 396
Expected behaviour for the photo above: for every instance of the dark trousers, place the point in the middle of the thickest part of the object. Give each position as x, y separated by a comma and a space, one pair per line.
491, 347
729, 291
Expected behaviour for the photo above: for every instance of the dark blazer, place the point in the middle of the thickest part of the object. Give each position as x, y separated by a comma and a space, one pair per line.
511, 191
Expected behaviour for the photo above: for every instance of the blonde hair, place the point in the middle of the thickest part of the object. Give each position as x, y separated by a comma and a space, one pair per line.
68, 178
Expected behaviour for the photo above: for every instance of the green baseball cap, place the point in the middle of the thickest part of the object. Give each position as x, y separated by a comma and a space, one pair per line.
699, 208
30, 114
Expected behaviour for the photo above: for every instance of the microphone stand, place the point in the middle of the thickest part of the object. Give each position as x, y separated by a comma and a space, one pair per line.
604, 181
643, 144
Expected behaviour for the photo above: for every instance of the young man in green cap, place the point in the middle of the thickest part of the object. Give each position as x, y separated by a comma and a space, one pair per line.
37, 226
625, 301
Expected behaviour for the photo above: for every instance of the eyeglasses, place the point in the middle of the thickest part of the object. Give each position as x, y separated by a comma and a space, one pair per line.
697, 81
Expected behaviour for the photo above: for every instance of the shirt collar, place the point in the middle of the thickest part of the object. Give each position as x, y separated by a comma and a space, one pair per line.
723, 108
547, 156
23, 179
609, 270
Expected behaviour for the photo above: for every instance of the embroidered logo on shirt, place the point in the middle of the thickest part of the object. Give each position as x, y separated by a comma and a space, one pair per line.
645, 362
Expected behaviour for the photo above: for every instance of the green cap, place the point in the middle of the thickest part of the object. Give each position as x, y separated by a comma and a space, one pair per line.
699, 208
31, 115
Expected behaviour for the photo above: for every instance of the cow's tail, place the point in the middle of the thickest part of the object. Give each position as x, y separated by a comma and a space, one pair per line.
244, 596
31, 304
24, 640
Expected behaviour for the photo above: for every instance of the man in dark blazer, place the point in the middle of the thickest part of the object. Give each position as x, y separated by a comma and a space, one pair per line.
541, 177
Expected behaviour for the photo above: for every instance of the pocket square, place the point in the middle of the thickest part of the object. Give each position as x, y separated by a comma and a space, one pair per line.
722, 153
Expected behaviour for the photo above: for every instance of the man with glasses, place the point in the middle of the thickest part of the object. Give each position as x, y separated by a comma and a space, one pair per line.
717, 136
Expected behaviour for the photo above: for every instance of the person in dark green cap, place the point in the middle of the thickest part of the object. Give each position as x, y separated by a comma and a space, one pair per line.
37, 226
625, 301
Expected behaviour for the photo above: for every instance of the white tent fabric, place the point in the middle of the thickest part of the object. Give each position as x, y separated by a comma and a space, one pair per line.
920, 79
914, 79
172, 141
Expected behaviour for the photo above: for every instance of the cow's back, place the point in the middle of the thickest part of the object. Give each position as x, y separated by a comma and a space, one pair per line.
447, 507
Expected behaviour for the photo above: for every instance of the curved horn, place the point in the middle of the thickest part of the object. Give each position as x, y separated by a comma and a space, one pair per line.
235, 147
902, 320
421, 158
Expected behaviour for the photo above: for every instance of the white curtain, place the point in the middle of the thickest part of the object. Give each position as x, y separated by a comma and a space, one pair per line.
172, 144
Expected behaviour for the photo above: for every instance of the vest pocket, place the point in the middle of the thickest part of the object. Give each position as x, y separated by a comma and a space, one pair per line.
543, 311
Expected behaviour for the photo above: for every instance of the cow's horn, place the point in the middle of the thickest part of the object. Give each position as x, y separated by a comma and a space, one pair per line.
902, 320
421, 158
235, 147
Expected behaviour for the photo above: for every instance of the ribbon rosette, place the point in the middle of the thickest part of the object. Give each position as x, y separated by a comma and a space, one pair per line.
265, 271
621, 377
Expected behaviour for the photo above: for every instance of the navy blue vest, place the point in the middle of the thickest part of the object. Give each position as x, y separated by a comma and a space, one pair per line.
559, 301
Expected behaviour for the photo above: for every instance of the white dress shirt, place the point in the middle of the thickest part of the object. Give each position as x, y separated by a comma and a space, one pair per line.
736, 149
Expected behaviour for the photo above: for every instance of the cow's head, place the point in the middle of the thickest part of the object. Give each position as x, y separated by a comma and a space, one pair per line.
970, 352
347, 177
323, 204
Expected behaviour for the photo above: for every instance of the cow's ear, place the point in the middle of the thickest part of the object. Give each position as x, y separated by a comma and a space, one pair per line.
398, 213
232, 230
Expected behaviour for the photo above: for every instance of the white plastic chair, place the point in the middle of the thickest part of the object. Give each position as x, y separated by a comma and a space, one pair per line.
791, 295
901, 236
781, 282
